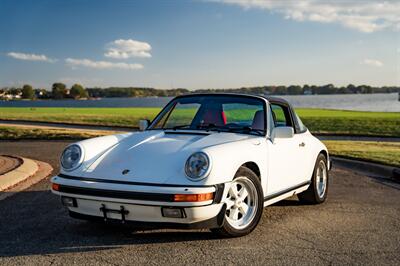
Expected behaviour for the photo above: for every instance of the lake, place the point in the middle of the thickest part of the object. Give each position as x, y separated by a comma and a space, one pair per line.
385, 102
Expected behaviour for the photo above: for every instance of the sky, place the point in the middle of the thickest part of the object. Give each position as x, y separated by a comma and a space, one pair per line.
199, 43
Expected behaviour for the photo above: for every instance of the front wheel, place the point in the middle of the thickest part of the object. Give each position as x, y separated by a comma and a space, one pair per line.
318, 189
244, 204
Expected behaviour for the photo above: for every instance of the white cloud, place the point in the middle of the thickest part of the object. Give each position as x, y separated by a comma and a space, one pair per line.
123, 49
372, 62
31, 57
362, 15
101, 64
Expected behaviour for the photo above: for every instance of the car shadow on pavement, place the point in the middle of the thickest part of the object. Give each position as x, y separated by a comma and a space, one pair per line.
35, 223
293, 201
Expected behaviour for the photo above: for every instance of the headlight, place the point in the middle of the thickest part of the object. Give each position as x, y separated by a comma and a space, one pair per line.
72, 157
197, 166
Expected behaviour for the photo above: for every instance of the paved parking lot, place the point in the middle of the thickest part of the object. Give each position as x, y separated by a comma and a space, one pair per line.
359, 224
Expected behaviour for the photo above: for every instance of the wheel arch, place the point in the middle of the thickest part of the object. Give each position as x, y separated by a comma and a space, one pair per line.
253, 167
325, 153
328, 160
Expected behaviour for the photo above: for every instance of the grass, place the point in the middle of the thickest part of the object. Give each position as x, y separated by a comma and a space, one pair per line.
16, 133
355, 123
127, 117
373, 151
322, 121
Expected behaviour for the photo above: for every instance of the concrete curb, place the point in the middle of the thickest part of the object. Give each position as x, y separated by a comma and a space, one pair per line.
374, 169
43, 170
19, 174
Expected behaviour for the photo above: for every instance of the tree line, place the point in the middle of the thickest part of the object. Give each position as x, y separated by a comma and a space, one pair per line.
77, 91
58, 91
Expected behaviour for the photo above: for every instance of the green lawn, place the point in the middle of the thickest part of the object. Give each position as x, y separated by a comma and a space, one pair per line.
317, 120
379, 152
351, 122
17, 133
126, 117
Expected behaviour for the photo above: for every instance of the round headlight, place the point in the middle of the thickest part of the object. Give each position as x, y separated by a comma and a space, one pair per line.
72, 157
197, 166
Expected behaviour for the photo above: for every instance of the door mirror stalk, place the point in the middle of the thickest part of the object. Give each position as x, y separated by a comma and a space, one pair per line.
143, 124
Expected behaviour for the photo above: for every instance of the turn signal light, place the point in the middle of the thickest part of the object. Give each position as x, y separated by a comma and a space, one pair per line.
55, 186
193, 197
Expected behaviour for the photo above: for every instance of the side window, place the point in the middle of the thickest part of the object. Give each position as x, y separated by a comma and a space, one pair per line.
281, 116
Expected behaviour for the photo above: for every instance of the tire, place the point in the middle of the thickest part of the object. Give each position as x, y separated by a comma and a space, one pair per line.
318, 189
240, 220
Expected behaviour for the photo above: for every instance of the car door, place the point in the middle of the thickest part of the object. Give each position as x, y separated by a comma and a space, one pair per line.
283, 153
305, 153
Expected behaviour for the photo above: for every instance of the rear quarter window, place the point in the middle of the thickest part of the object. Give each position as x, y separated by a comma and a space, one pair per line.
302, 127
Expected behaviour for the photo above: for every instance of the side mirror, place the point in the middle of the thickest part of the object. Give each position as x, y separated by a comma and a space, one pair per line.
143, 124
282, 133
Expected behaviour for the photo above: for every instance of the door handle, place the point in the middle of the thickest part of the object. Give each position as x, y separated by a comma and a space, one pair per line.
302, 144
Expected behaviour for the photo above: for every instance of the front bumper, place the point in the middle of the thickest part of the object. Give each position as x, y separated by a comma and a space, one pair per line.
142, 204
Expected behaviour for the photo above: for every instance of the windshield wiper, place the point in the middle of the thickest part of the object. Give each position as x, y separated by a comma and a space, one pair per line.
178, 127
211, 127
246, 129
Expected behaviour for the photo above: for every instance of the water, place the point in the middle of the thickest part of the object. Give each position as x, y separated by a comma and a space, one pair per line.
382, 102
363, 102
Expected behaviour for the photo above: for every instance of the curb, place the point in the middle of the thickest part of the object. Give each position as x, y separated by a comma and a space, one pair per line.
19, 174
374, 169
43, 171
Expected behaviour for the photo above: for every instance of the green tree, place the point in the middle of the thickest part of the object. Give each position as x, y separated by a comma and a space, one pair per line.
78, 91
294, 89
58, 90
27, 92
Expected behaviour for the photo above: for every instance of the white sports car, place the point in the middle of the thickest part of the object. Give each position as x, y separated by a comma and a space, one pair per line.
206, 161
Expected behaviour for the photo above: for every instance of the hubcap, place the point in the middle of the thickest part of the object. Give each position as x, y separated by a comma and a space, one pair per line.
321, 179
241, 203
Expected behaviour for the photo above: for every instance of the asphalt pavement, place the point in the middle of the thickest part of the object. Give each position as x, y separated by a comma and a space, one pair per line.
359, 224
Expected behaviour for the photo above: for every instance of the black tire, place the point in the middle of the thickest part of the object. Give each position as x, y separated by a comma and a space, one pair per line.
229, 231
312, 195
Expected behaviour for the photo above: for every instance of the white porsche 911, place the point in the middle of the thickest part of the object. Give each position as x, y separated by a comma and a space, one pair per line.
206, 161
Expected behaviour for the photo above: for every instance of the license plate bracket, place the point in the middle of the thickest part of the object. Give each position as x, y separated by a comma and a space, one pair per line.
121, 211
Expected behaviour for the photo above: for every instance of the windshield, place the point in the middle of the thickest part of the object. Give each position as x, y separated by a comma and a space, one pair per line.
221, 113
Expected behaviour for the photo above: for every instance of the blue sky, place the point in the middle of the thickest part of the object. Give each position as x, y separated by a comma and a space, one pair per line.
199, 44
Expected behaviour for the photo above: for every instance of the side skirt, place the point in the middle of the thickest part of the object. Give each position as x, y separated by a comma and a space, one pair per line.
271, 199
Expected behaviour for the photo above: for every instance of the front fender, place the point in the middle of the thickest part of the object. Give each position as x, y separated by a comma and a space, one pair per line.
228, 158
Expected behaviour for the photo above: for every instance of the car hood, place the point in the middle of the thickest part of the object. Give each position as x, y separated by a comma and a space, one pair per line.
155, 156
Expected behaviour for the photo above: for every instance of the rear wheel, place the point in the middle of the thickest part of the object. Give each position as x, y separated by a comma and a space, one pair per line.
244, 204
318, 190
